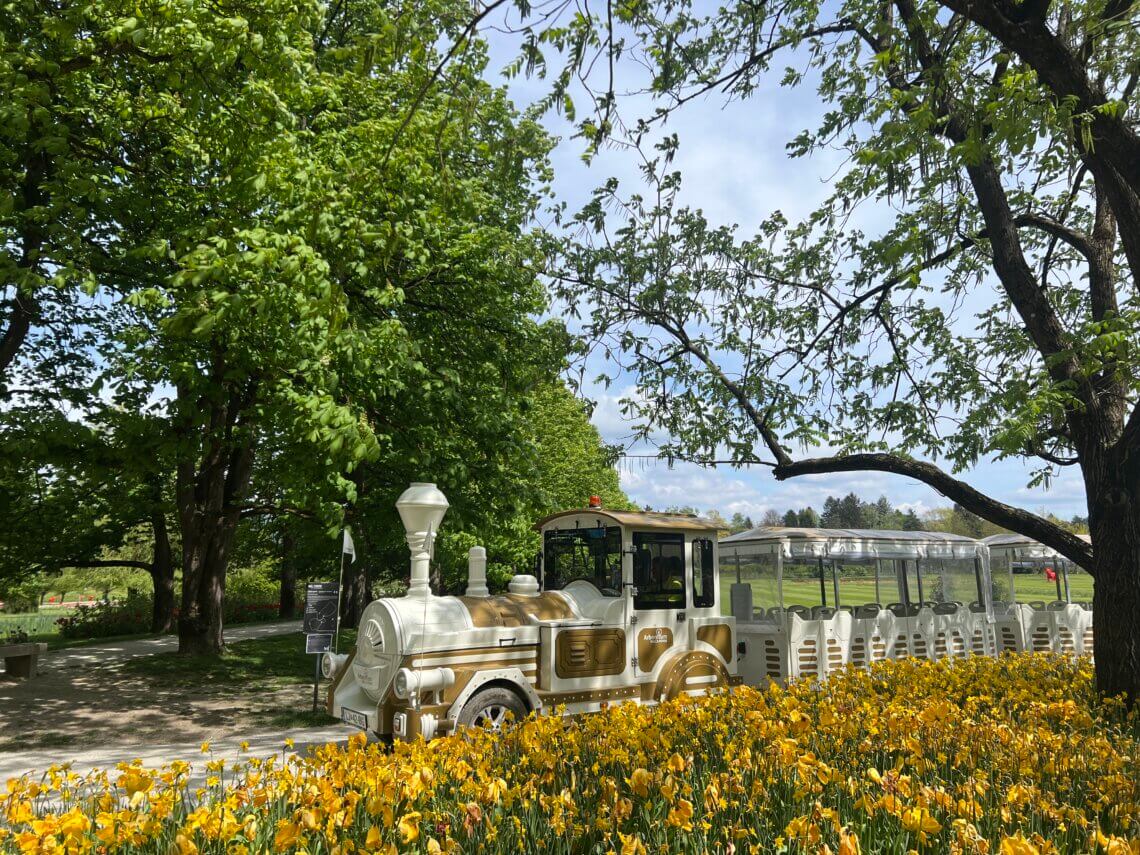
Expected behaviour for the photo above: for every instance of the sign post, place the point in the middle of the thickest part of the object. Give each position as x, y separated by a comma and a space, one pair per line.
322, 600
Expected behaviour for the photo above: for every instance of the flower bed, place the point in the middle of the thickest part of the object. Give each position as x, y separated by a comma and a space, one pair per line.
1011, 756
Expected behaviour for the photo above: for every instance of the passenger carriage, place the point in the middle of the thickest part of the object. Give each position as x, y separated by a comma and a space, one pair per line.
809, 601
1042, 601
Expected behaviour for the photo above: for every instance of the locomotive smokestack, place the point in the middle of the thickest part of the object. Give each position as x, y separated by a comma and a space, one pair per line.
421, 508
477, 572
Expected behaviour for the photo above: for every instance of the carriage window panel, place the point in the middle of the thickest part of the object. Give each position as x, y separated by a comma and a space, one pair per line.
858, 585
704, 584
755, 568
802, 585
1036, 578
909, 584
659, 570
1002, 589
1079, 582
589, 554
951, 580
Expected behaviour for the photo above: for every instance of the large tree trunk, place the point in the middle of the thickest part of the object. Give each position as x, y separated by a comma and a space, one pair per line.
1116, 616
208, 498
206, 544
355, 595
1114, 522
203, 578
287, 606
162, 574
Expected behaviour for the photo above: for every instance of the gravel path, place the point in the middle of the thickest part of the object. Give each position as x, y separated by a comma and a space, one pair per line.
86, 708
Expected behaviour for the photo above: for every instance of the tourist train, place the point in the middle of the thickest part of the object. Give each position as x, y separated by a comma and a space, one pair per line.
641, 606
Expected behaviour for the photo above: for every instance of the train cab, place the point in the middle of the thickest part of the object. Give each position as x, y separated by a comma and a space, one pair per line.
647, 587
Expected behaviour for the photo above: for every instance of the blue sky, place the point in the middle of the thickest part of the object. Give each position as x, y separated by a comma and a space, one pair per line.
734, 167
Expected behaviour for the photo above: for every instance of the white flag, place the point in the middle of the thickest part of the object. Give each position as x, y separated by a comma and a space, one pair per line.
349, 548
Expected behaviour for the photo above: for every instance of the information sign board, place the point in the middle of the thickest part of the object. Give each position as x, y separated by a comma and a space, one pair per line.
318, 642
320, 607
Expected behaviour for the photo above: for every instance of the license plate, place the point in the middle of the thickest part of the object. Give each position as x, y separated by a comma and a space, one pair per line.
356, 719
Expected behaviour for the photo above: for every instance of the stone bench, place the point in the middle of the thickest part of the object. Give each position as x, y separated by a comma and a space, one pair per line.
20, 659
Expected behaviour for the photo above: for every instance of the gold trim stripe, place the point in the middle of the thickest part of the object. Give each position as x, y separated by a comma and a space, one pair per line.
476, 651
596, 695
524, 665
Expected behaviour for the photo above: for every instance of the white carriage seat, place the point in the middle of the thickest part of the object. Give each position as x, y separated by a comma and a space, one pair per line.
740, 595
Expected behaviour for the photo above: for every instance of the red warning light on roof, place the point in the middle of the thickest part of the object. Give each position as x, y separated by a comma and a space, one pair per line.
595, 501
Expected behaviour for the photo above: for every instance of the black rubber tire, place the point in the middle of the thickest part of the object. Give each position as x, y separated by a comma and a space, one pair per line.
488, 708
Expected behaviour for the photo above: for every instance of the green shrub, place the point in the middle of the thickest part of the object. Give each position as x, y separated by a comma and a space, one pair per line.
102, 619
252, 594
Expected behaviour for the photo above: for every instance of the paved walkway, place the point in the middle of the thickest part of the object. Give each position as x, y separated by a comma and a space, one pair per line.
15, 764
55, 664
112, 651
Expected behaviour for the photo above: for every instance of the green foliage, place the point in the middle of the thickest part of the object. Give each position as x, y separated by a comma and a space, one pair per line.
299, 269
22, 594
252, 594
850, 511
104, 619
740, 522
958, 520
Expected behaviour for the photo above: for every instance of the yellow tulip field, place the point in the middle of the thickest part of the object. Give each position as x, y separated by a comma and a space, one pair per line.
1010, 756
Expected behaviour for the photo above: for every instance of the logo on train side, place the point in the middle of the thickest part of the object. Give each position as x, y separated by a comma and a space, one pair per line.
651, 643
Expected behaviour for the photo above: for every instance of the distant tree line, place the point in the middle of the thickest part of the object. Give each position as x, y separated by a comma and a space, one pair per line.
851, 511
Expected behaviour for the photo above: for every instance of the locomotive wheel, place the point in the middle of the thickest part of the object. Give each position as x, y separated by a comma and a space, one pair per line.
489, 707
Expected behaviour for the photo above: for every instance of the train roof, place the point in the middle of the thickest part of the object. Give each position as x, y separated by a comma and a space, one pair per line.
1022, 546
637, 519
856, 542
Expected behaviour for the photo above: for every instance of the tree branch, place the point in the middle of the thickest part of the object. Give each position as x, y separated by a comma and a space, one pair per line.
999, 513
1078, 240
247, 511
140, 565
17, 329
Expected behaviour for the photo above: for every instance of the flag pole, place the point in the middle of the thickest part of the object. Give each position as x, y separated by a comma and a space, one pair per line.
339, 589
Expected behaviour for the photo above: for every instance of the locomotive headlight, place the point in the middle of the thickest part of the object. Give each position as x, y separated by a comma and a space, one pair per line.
331, 663
409, 682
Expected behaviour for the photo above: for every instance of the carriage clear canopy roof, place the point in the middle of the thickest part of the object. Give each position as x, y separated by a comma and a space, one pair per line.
854, 543
1021, 546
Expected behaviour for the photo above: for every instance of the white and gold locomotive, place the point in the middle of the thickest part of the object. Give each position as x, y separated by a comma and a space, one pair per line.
626, 607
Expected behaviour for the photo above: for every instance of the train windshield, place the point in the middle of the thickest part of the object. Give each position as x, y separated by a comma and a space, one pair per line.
589, 554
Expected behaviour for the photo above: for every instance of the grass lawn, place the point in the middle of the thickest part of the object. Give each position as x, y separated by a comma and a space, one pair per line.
857, 591
273, 662
38, 624
1034, 586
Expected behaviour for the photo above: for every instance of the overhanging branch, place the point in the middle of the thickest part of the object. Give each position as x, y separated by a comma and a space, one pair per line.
999, 513
140, 565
